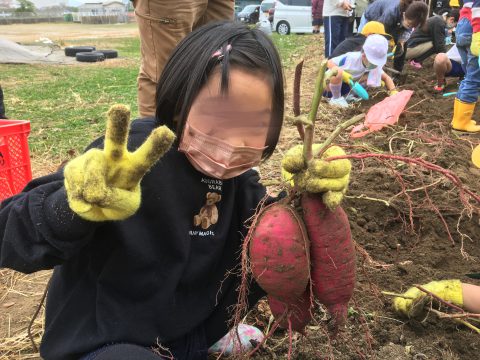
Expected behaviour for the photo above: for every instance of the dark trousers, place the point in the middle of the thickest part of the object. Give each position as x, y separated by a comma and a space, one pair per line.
337, 29
122, 351
2, 106
354, 24
192, 346
399, 57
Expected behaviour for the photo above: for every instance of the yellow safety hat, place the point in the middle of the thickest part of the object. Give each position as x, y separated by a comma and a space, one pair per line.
375, 27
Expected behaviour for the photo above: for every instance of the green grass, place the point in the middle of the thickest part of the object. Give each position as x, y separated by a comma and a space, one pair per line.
67, 104
291, 47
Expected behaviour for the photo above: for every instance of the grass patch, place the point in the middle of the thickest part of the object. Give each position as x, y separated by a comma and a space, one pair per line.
291, 46
67, 104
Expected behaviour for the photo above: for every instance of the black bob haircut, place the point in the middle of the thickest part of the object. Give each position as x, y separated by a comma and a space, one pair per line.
191, 64
455, 13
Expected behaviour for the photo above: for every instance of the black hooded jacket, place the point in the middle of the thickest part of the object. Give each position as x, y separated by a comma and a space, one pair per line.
151, 278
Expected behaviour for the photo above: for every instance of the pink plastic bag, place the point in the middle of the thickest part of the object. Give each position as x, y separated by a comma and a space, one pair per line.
384, 113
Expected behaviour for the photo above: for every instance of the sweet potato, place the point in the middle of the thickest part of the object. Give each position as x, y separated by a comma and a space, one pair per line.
298, 311
279, 248
332, 256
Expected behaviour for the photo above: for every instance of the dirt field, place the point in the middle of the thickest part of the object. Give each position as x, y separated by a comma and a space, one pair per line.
404, 233
27, 33
404, 251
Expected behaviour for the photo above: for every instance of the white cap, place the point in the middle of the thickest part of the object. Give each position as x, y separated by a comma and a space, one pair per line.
376, 49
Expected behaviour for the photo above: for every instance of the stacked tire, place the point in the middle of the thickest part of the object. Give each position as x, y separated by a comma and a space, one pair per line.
74, 50
89, 53
108, 54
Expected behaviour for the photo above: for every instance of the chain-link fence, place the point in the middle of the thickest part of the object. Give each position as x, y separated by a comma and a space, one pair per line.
102, 18
30, 18
84, 17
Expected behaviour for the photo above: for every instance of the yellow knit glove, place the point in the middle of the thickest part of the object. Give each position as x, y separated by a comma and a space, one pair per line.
448, 290
475, 46
104, 184
328, 177
346, 77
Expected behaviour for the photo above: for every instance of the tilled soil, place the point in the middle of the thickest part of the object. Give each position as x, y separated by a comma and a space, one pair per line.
406, 248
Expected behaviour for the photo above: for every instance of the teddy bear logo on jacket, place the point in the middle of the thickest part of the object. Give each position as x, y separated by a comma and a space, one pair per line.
208, 213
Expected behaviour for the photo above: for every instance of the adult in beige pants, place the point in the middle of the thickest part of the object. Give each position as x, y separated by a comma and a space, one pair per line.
162, 24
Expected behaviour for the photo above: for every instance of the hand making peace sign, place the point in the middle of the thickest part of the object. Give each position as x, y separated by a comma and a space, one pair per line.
104, 184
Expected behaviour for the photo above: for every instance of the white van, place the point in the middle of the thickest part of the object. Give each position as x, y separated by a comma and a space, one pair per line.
292, 16
266, 5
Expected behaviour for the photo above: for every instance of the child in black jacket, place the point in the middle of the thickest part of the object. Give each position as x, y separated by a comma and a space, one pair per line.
431, 39
145, 251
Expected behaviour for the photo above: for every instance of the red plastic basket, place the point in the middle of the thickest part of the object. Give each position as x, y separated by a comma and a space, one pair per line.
15, 170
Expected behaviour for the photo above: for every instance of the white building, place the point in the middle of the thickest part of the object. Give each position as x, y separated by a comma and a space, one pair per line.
112, 8
102, 8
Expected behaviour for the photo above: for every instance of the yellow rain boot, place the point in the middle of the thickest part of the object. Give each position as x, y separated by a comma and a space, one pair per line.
462, 117
476, 156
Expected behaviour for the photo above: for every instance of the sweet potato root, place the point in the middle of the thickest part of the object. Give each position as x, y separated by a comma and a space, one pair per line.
298, 311
279, 255
332, 256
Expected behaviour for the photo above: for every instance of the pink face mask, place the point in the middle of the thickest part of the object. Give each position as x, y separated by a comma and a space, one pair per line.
216, 158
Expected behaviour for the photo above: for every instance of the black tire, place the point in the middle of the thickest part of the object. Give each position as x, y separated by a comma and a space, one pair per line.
73, 50
90, 56
109, 54
283, 28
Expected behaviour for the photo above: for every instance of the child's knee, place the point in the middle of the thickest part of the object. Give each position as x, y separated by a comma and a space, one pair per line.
441, 59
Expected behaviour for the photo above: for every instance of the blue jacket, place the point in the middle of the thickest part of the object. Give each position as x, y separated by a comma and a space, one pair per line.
388, 13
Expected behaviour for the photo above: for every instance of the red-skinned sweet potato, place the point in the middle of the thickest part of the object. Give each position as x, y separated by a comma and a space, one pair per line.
279, 249
299, 311
332, 254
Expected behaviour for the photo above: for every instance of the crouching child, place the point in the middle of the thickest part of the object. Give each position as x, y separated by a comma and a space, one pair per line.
351, 67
